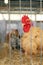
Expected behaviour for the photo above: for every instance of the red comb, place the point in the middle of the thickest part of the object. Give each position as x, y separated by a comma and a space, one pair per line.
27, 23
25, 19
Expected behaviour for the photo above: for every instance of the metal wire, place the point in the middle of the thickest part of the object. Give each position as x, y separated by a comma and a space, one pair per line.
5, 23
40, 34
10, 55
21, 59
31, 35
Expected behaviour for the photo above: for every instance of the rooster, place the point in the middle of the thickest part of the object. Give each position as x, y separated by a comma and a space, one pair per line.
31, 40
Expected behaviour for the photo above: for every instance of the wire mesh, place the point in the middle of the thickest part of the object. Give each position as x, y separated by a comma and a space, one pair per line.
23, 8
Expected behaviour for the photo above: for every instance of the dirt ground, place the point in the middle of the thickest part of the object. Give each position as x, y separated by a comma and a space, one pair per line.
16, 57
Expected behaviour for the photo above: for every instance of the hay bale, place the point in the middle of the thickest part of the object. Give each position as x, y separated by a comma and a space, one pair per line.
4, 51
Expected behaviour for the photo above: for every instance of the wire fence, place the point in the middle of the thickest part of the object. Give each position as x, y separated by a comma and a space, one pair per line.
20, 10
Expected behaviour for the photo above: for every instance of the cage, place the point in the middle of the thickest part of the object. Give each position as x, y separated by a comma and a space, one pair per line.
21, 32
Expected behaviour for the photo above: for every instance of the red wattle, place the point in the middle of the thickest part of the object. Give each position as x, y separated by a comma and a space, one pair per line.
26, 27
